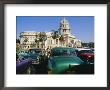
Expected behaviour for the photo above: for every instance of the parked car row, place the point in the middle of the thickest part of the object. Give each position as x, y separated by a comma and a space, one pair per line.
34, 55
61, 60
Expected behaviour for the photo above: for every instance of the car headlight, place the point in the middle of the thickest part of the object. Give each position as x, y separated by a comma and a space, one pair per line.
89, 56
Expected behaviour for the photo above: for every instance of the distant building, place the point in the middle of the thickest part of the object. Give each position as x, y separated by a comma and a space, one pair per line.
27, 38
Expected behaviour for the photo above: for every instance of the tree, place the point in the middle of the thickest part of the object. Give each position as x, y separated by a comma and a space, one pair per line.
17, 45
55, 35
84, 44
91, 45
25, 40
37, 40
62, 39
17, 41
42, 38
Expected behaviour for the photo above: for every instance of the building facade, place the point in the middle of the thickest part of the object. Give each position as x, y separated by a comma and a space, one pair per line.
32, 39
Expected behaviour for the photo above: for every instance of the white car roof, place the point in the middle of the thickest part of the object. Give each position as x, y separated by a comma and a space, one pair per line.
79, 49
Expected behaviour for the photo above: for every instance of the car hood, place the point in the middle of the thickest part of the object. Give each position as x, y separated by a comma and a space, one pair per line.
62, 63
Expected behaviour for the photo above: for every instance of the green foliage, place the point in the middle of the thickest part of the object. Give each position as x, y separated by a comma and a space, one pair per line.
17, 41
90, 44
55, 34
61, 38
42, 36
17, 47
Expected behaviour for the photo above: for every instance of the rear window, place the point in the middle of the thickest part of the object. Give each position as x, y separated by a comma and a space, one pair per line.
65, 52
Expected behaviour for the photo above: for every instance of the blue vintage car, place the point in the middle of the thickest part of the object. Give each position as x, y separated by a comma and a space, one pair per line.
23, 54
23, 65
33, 54
25, 60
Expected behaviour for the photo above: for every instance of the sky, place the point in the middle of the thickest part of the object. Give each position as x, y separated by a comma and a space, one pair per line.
81, 26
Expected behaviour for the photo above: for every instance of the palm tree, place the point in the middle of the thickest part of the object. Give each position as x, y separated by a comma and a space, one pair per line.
17, 41
25, 40
62, 39
55, 35
37, 40
42, 38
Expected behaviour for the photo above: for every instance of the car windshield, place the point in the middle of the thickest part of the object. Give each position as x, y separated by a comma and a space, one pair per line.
34, 51
63, 53
86, 51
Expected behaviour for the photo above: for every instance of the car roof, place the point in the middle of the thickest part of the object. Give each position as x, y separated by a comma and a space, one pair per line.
79, 49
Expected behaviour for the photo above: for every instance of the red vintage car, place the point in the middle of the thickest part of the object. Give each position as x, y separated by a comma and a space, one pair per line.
86, 55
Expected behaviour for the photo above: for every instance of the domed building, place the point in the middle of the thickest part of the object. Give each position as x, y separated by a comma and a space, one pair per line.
60, 38
64, 27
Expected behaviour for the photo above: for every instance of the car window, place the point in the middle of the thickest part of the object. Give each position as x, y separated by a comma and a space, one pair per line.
66, 52
34, 51
56, 53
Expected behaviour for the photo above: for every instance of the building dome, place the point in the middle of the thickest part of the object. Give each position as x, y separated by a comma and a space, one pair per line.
64, 21
64, 26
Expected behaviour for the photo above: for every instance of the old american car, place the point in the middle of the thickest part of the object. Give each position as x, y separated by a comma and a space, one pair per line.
23, 54
33, 54
86, 55
26, 60
61, 59
22, 65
